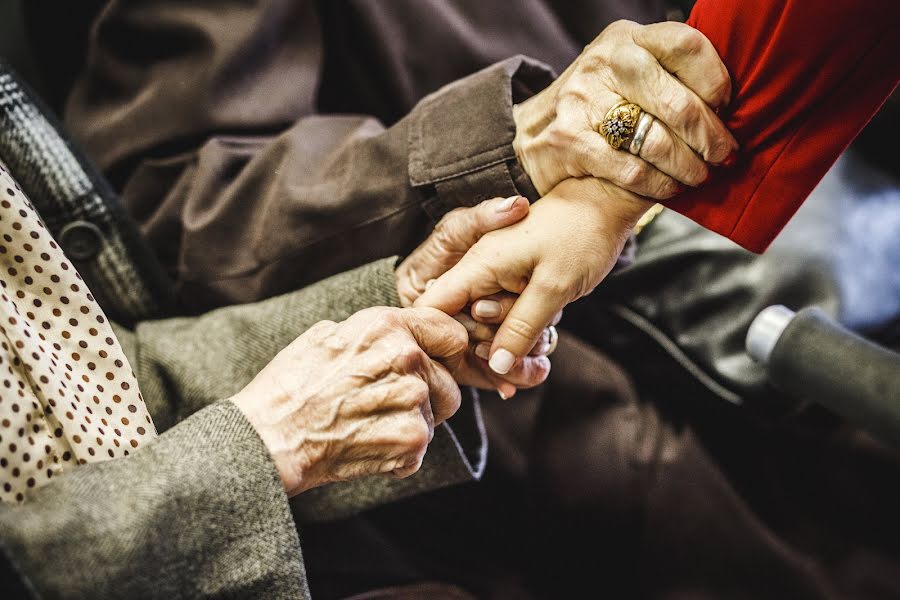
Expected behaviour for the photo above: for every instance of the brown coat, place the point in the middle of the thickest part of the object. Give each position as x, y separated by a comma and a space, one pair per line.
265, 145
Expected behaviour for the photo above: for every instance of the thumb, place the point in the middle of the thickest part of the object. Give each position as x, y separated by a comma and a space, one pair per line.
468, 280
441, 337
532, 312
459, 229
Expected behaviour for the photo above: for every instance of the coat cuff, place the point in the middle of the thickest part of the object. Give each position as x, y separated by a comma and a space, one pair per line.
460, 137
200, 512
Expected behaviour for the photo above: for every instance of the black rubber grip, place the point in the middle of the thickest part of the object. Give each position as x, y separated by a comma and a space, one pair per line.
817, 359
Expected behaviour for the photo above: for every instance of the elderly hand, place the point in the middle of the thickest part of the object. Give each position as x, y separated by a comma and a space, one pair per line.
558, 253
357, 398
456, 233
670, 70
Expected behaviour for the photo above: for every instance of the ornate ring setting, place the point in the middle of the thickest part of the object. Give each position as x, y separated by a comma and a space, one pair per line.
619, 123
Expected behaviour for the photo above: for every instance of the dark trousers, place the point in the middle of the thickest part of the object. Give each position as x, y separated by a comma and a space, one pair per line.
599, 487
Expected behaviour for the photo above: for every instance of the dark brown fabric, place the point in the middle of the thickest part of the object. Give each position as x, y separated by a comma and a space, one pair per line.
249, 139
597, 485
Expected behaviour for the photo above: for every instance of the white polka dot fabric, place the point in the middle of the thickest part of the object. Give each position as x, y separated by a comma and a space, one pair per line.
67, 393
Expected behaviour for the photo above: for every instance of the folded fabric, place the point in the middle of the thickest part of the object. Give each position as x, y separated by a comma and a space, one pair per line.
68, 394
807, 77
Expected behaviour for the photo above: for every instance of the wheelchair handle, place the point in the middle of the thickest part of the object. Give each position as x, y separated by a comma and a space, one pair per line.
808, 356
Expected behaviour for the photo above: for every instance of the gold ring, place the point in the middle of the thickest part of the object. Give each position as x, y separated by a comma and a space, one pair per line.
619, 123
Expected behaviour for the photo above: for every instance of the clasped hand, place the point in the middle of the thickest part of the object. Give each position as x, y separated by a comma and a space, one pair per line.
364, 396
593, 194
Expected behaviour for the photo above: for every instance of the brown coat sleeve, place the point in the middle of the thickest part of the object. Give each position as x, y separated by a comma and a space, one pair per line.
203, 115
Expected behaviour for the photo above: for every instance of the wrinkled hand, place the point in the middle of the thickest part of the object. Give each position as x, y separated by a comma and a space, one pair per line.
669, 69
456, 233
565, 246
357, 398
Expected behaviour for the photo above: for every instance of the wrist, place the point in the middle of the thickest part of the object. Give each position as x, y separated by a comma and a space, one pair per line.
287, 464
531, 118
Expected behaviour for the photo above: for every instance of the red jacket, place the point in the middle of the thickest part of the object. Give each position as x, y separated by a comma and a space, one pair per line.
807, 76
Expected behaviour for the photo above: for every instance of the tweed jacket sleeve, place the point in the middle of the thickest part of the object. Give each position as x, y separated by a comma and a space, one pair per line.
198, 513
201, 512
185, 364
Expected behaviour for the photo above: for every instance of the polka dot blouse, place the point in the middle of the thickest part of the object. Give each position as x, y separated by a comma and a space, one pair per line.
67, 393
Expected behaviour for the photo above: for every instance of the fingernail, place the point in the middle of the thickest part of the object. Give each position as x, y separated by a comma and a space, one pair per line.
502, 361
730, 160
487, 309
429, 283
507, 204
705, 181
506, 390
483, 351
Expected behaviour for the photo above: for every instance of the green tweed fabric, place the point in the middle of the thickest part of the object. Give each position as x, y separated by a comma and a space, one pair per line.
201, 512
185, 364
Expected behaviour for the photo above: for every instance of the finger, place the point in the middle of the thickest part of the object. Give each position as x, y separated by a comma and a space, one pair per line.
596, 157
642, 80
671, 155
542, 346
533, 311
468, 280
494, 308
459, 229
438, 335
451, 239
526, 373
688, 55
445, 396
478, 332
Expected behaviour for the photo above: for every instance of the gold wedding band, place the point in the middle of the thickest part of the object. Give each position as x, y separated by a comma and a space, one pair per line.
619, 123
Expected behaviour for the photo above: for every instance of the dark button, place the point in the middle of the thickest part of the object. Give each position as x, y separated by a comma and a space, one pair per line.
81, 240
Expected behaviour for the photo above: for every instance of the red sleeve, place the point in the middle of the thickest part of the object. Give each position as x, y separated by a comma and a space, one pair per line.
807, 76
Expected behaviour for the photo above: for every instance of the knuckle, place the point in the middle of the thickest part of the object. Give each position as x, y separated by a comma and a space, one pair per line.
409, 359
687, 40
418, 437
720, 87
419, 391
551, 287
697, 175
634, 174
457, 336
629, 62
522, 329
449, 223
663, 187
322, 328
684, 109
560, 135
378, 315
620, 26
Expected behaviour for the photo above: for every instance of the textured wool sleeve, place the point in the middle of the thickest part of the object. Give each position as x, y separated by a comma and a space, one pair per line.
185, 364
200, 512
